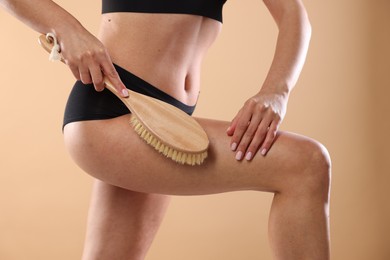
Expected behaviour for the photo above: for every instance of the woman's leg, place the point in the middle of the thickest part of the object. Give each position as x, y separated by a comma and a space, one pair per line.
296, 170
122, 223
299, 223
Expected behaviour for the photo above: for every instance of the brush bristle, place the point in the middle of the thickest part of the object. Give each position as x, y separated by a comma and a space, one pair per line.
177, 156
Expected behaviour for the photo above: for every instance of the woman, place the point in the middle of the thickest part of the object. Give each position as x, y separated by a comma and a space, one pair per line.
157, 49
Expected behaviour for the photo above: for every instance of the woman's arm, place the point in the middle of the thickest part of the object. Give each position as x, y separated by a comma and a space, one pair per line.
83, 53
254, 127
292, 44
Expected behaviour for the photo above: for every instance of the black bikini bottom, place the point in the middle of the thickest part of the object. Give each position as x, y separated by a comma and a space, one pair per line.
85, 103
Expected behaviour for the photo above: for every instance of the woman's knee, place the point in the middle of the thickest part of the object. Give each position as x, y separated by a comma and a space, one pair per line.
317, 170
320, 167
309, 169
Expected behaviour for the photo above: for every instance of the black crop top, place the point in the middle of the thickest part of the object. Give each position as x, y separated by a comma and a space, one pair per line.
207, 8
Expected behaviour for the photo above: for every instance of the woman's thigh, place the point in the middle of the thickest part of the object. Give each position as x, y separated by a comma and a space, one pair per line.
122, 223
111, 151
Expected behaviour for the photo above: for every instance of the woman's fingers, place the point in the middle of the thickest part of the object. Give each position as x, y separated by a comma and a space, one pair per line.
233, 124
75, 71
257, 140
97, 77
240, 126
262, 140
112, 75
85, 76
269, 139
254, 129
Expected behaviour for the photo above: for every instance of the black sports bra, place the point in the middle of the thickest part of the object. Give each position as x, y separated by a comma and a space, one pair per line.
207, 8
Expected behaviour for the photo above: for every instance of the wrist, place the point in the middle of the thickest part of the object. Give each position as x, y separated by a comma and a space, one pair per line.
64, 29
281, 88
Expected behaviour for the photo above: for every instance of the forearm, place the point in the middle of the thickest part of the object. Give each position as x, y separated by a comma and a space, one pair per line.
292, 45
43, 16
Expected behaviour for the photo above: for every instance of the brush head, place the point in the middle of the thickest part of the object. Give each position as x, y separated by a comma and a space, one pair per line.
182, 157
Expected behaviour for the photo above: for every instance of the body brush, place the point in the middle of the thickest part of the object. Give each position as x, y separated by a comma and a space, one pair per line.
168, 129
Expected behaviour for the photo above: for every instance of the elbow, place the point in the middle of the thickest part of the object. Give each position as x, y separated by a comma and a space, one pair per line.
305, 21
299, 23
288, 13
306, 26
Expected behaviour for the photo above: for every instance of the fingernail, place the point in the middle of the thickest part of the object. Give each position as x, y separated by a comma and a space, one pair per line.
239, 156
248, 156
228, 129
234, 146
264, 151
125, 93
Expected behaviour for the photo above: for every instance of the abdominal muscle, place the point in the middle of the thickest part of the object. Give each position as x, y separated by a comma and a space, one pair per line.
165, 50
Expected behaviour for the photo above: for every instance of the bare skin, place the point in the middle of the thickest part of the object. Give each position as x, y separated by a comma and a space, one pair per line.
296, 169
133, 182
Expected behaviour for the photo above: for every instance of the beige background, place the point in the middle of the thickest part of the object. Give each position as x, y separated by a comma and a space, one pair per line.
341, 100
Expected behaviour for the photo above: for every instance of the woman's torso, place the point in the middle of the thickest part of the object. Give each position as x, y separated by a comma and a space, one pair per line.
165, 50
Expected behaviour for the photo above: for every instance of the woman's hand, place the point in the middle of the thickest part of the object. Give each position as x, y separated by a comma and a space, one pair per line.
89, 61
85, 55
255, 126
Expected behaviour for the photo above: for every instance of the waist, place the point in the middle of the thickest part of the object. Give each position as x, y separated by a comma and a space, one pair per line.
165, 50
